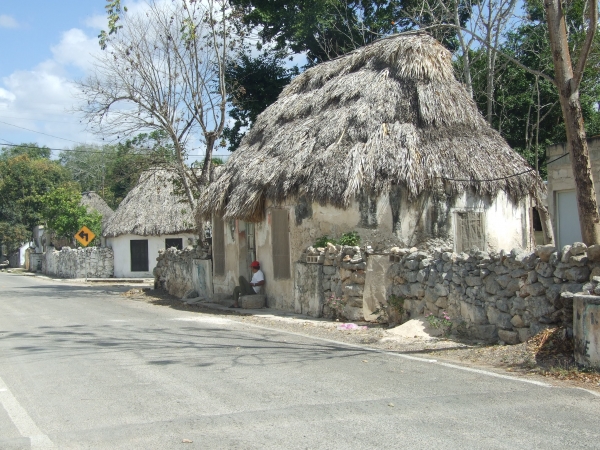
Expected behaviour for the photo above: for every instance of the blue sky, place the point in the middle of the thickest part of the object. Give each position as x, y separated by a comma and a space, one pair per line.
44, 45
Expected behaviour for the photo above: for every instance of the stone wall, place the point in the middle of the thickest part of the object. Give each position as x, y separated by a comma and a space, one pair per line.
183, 273
503, 296
91, 262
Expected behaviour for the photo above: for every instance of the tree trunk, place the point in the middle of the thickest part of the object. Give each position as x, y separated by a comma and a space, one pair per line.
568, 89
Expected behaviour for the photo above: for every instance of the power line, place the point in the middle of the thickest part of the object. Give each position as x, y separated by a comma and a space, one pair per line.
39, 132
87, 151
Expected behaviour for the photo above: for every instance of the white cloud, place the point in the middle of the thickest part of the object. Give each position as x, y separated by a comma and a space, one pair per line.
76, 48
8, 21
97, 22
44, 97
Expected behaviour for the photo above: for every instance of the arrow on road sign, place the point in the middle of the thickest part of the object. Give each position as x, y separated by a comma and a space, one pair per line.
85, 236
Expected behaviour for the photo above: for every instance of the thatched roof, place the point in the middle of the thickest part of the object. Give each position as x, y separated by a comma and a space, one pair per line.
93, 202
388, 113
152, 208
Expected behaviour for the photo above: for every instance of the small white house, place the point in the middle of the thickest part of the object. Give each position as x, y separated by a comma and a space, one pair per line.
151, 218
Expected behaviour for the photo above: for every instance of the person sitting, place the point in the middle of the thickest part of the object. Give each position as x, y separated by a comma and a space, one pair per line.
251, 288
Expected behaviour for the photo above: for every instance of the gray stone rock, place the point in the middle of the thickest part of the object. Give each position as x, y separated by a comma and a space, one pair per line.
534, 289
565, 254
518, 273
544, 269
487, 333
517, 321
252, 301
593, 252
422, 275
578, 274
510, 337
475, 314
498, 318
578, 248
545, 251
329, 270
503, 305
440, 290
442, 302
411, 264
353, 290
524, 334
532, 277
473, 280
411, 277
491, 286
539, 306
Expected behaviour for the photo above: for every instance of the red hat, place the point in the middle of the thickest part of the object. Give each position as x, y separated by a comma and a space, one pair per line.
255, 265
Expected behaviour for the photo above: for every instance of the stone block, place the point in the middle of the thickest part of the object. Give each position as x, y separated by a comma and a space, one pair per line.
517, 321
498, 318
412, 264
503, 305
579, 274
491, 286
509, 337
440, 290
358, 277
473, 280
487, 333
353, 290
535, 289
578, 248
475, 314
422, 275
353, 313
253, 301
593, 252
442, 302
524, 334
544, 251
329, 270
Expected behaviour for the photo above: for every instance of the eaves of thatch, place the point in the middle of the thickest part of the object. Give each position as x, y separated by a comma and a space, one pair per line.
152, 208
388, 113
93, 202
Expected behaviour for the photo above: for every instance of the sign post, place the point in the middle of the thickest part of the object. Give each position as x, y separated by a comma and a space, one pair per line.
85, 236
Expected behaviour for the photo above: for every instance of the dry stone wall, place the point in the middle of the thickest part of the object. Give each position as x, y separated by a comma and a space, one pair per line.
91, 262
496, 296
174, 272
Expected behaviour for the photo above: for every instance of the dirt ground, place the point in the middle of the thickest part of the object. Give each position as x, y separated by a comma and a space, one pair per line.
547, 355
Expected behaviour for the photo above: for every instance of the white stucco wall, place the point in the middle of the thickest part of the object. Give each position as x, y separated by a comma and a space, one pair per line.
421, 223
122, 251
561, 180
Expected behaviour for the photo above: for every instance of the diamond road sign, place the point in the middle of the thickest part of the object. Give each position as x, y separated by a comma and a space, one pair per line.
85, 236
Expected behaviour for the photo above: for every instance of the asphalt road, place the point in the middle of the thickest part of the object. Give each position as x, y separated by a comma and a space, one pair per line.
81, 367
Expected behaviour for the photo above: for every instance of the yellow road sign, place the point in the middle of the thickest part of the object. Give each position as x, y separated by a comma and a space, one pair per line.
85, 236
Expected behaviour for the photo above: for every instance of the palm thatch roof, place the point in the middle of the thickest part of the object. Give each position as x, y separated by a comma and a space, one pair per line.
152, 208
93, 202
388, 113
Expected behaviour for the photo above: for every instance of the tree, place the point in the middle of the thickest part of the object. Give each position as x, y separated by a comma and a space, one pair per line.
22, 181
32, 150
113, 170
254, 83
164, 72
13, 236
567, 79
322, 29
65, 215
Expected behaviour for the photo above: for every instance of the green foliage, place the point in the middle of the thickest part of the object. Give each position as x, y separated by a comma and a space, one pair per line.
65, 215
351, 238
322, 29
396, 303
13, 236
323, 241
336, 305
23, 180
113, 170
253, 84
31, 150
444, 323
516, 91
114, 11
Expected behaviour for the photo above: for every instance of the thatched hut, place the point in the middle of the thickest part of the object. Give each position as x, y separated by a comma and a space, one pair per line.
383, 141
150, 218
93, 202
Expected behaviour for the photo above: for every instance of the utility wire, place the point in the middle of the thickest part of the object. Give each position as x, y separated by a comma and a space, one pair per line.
85, 151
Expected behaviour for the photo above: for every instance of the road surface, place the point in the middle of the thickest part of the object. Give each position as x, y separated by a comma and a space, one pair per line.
83, 367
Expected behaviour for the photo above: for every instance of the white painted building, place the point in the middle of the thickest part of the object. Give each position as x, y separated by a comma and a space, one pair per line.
151, 218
